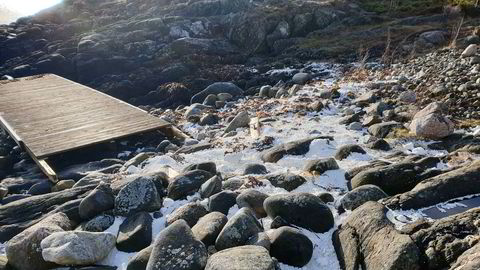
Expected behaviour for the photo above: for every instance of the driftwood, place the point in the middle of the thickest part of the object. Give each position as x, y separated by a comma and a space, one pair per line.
19, 215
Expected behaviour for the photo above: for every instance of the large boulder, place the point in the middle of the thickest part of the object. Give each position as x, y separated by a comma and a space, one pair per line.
239, 228
138, 195
77, 247
135, 232
175, 248
431, 123
301, 209
187, 183
241, 258
444, 187
23, 250
215, 89
290, 246
209, 227
368, 239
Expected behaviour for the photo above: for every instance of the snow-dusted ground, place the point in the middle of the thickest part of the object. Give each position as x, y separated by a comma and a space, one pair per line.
231, 154
285, 128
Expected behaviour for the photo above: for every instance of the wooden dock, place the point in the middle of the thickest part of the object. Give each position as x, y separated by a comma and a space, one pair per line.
49, 115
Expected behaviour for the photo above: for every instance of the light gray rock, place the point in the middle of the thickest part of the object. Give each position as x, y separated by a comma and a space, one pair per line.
77, 247
138, 195
241, 120
239, 228
301, 78
209, 227
175, 248
190, 212
431, 123
360, 195
241, 258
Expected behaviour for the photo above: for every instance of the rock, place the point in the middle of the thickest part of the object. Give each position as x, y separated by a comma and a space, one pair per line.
379, 144
98, 224
138, 195
210, 100
369, 239
469, 260
355, 126
135, 232
260, 239
253, 199
355, 198
209, 227
255, 169
319, 166
77, 247
196, 110
62, 185
222, 201
187, 183
208, 120
287, 181
326, 197
366, 98
265, 91
290, 246
175, 248
215, 89
430, 123
190, 212
3, 192
241, 258
316, 106
139, 261
394, 178
408, 97
344, 151
23, 250
301, 78
381, 130
278, 222
224, 97
99, 200
239, 228
376, 108
40, 188
206, 166
241, 120
443, 240
188, 149
211, 186
441, 188
300, 147
371, 120
135, 161
471, 50
301, 209
233, 183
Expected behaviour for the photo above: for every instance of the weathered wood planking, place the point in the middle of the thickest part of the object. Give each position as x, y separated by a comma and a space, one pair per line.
49, 115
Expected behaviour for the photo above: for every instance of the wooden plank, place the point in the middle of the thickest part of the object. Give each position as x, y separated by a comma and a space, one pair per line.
51, 115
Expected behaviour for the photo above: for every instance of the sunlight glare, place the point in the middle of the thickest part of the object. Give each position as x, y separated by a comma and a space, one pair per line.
28, 7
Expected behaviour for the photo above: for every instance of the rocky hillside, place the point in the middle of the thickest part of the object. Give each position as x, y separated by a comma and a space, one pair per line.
134, 50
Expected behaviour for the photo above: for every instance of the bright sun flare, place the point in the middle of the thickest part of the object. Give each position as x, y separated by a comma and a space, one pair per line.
28, 7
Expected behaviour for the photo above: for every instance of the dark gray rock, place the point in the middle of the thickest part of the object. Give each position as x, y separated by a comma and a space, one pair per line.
209, 227
215, 89
135, 232
138, 195
189, 149
300, 147
278, 222
319, 166
139, 261
326, 197
253, 199
211, 186
344, 151
190, 212
241, 258
187, 183
287, 181
99, 200
301, 209
233, 183
255, 169
208, 120
40, 188
206, 166
290, 246
239, 228
301, 78
360, 195
381, 130
98, 224
222, 201
170, 241
380, 144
